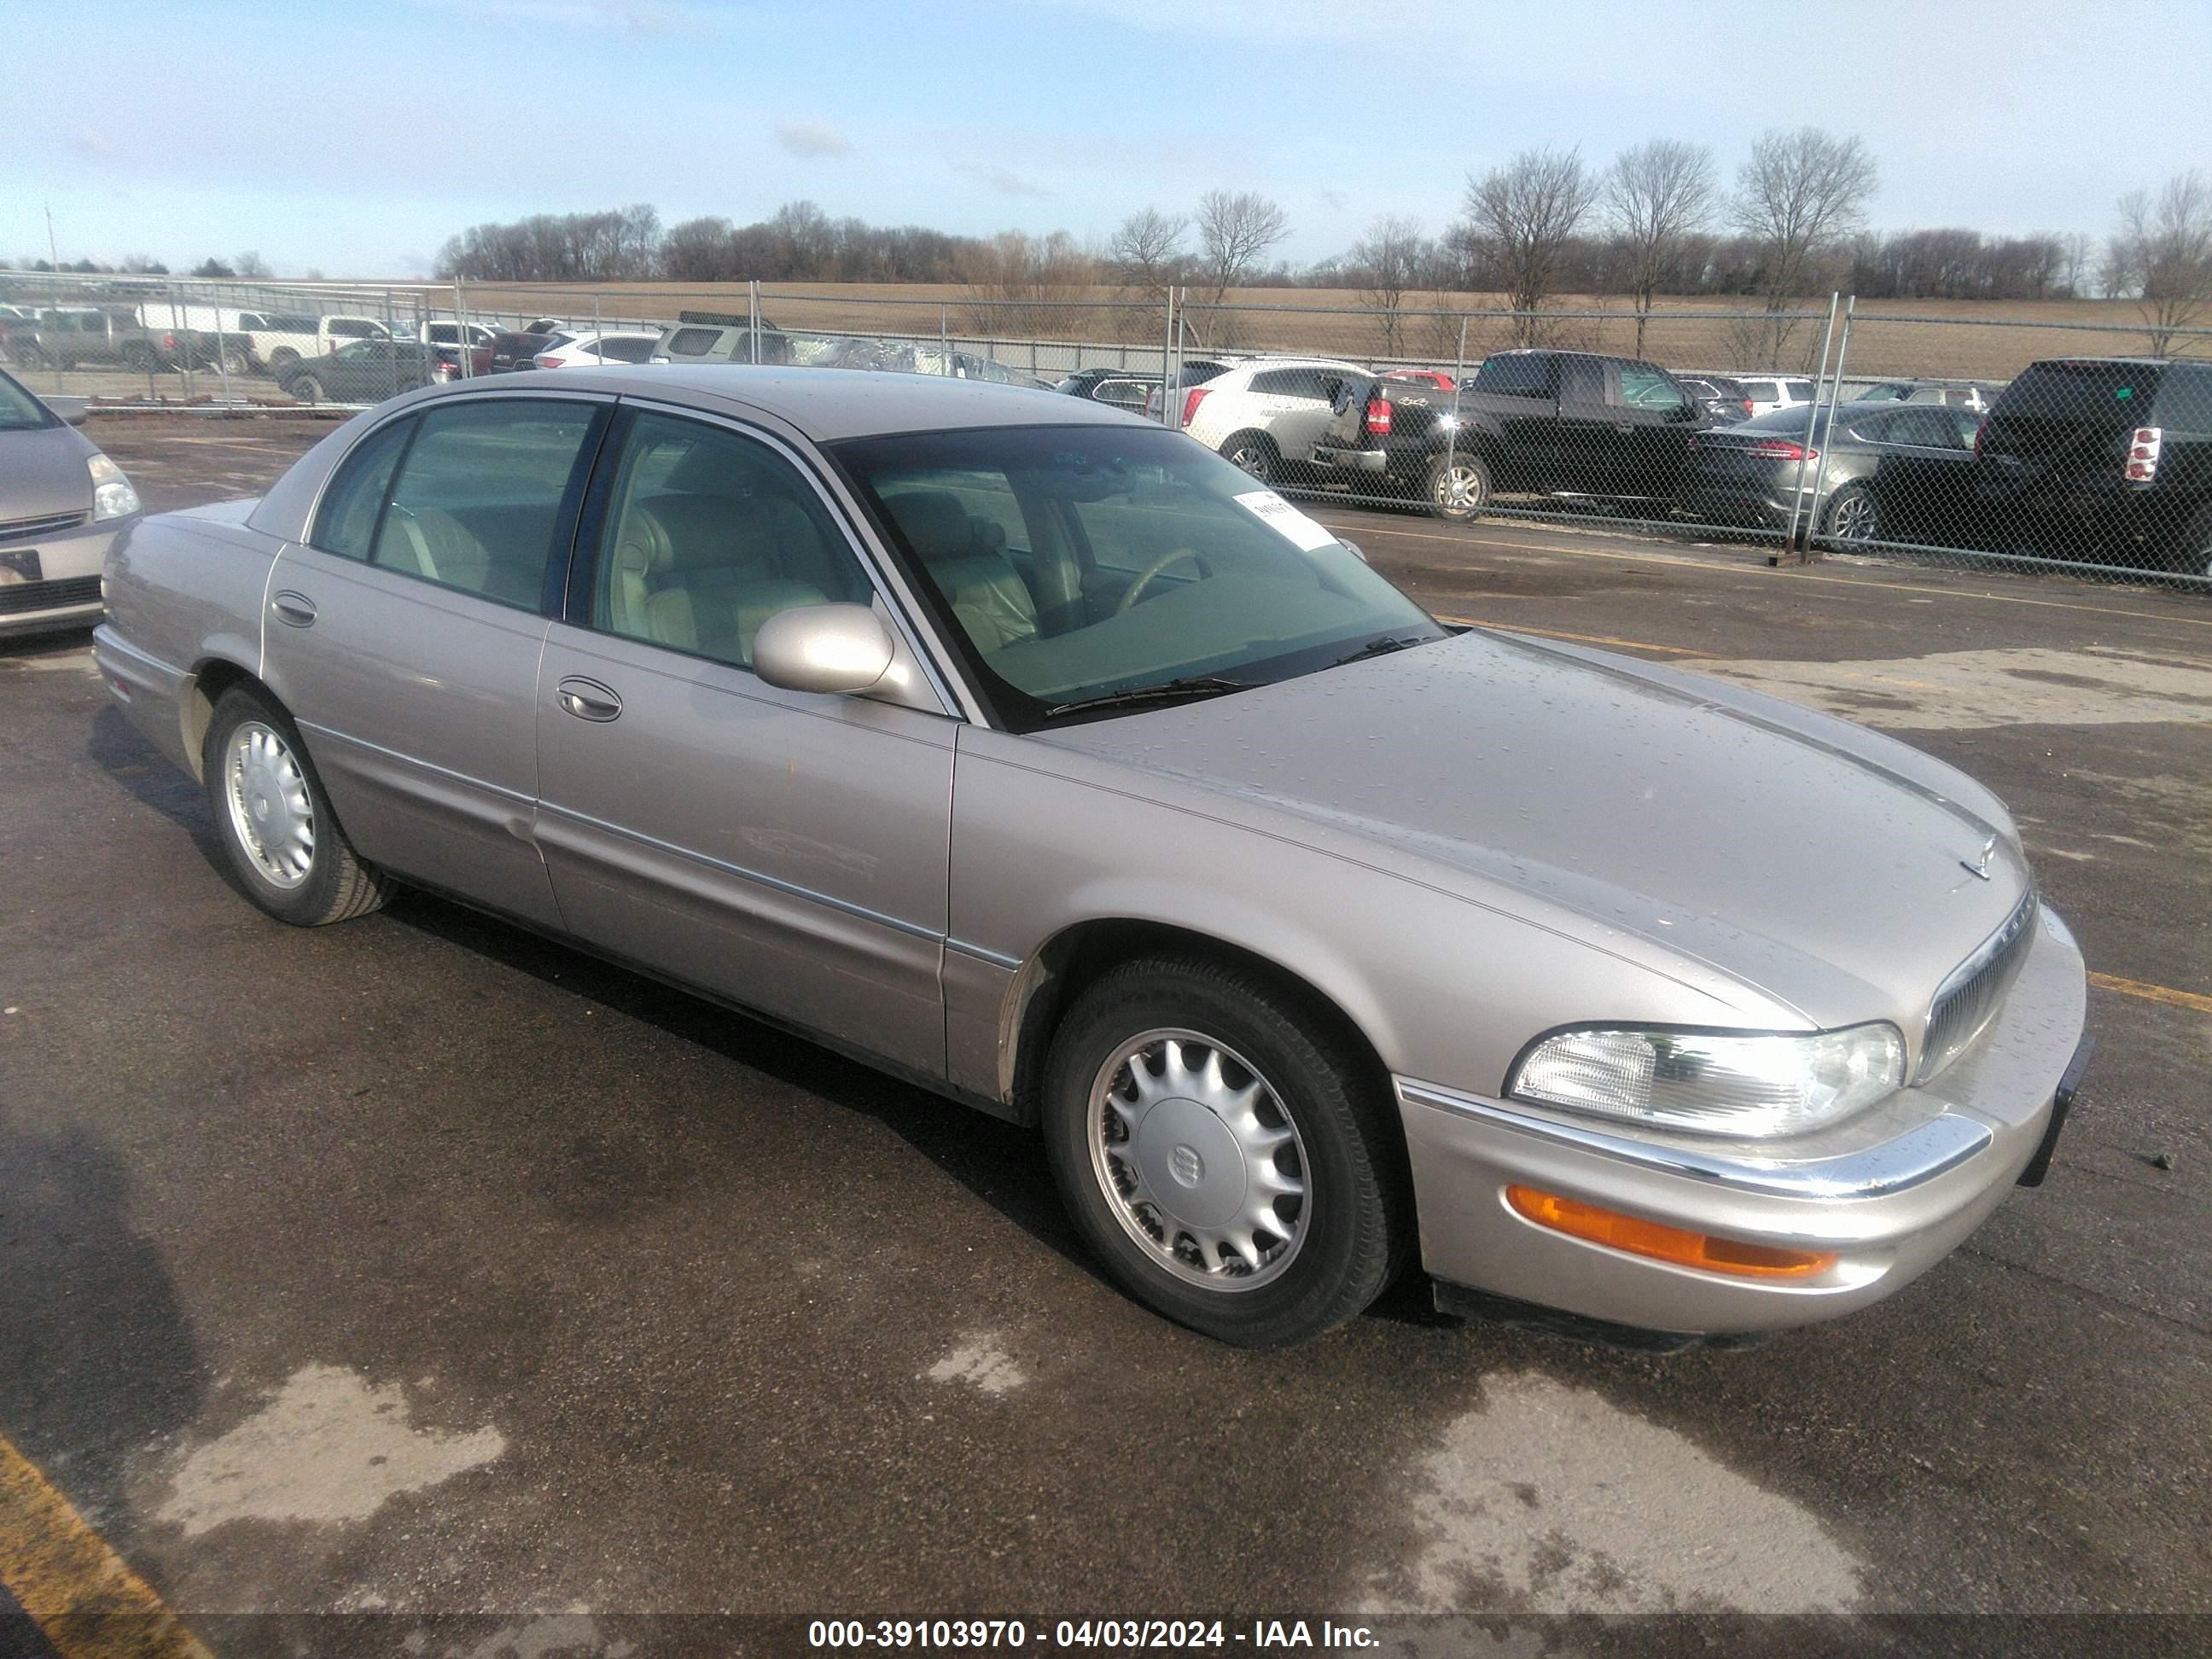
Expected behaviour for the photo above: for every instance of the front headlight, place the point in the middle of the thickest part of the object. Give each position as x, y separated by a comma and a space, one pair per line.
1746, 1083
112, 497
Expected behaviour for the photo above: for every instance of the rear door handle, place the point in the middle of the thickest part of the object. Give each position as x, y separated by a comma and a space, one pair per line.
297, 609
588, 700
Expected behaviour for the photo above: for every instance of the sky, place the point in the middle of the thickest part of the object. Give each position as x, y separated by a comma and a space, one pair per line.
353, 138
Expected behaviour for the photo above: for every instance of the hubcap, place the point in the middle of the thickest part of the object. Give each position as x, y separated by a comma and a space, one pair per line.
1253, 459
1198, 1160
271, 811
1458, 489
1854, 519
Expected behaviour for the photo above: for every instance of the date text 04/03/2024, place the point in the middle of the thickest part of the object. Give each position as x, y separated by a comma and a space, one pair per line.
1263, 1635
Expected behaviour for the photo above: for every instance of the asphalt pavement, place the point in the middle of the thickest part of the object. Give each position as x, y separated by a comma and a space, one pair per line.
418, 1266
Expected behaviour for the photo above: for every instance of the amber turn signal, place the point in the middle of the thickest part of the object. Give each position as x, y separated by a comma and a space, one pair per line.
1663, 1243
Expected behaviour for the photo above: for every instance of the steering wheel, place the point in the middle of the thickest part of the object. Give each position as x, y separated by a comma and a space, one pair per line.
1136, 589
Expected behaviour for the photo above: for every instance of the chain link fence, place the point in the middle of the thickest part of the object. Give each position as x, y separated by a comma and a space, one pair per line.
2073, 448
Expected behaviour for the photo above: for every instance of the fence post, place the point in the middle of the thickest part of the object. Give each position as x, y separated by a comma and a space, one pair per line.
1797, 493
598, 327
184, 343
752, 320
1167, 360
222, 351
944, 339
1451, 432
1820, 473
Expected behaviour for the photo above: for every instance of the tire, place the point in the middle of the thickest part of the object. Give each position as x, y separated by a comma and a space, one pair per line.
304, 389
1317, 1123
262, 789
282, 359
1253, 452
232, 361
1457, 492
2196, 546
30, 356
1851, 515
139, 360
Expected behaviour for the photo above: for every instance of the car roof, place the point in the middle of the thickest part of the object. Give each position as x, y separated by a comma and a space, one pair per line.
830, 404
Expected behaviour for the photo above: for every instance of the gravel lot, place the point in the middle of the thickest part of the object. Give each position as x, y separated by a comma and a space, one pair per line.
419, 1266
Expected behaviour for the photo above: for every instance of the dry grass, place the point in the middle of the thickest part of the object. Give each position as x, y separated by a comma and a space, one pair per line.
1949, 338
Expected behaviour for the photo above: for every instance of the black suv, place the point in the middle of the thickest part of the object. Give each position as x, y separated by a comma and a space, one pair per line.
2102, 459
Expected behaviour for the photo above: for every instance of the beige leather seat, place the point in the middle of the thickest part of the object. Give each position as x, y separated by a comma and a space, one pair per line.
702, 572
963, 557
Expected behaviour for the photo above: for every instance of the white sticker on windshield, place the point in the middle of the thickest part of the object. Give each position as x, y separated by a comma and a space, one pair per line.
1279, 516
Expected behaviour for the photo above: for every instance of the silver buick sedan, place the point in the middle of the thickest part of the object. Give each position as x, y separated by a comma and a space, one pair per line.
1032, 753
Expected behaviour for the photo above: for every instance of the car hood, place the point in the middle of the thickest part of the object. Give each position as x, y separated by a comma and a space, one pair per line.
1830, 867
42, 472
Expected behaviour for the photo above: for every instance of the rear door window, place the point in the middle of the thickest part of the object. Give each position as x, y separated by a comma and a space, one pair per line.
346, 523
476, 502
625, 351
1516, 376
2184, 400
1643, 386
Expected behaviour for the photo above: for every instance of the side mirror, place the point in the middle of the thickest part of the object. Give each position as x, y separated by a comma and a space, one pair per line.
838, 649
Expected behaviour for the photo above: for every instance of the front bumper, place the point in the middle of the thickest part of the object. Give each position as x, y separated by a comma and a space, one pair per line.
1891, 1193
66, 593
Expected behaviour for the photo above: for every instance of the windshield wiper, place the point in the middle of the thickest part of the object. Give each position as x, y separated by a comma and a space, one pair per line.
1188, 690
1382, 648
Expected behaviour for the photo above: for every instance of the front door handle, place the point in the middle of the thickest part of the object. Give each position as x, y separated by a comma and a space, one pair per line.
588, 700
297, 609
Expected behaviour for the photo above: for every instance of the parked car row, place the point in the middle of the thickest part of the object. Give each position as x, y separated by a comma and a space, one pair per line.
2083, 459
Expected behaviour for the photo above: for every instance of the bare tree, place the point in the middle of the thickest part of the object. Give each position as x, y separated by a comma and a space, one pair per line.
1657, 194
2078, 249
1525, 213
1038, 280
1235, 227
1388, 263
2161, 257
1798, 198
1147, 250
250, 264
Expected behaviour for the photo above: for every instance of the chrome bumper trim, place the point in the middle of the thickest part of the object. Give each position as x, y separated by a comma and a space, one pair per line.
1917, 1156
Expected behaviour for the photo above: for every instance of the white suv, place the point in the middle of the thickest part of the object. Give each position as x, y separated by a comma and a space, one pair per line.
1769, 392
1265, 411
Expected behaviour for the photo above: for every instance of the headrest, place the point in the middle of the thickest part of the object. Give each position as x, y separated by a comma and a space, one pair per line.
706, 532
936, 525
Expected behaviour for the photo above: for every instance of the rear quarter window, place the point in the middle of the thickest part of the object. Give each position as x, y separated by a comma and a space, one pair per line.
692, 342
2184, 400
2083, 393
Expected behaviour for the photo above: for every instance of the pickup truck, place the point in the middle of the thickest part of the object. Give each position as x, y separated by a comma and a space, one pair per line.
76, 337
1566, 425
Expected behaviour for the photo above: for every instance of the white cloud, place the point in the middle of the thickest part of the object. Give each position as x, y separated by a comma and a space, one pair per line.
811, 140
1005, 182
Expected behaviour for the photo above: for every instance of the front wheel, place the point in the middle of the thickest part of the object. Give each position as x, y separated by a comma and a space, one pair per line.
304, 389
2197, 544
1225, 1153
275, 821
1457, 487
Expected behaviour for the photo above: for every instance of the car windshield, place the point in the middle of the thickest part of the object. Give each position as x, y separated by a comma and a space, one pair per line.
19, 410
1074, 563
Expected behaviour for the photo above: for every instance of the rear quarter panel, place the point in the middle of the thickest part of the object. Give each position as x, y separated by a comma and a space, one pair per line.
186, 589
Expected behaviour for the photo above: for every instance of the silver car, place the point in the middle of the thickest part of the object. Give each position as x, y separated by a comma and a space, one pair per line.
1041, 757
62, 503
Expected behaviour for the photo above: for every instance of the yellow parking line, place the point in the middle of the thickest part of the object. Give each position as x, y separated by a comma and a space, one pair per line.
2165, 994
1562, 633
1659, 557
77, 1590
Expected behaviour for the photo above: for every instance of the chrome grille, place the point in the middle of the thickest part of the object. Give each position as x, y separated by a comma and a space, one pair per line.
11, 529
1975, 990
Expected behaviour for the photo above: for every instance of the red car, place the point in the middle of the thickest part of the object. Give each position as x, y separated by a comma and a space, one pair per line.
1435, 377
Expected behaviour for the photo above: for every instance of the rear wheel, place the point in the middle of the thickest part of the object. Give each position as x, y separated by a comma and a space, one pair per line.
233, 362
282, 359
1225, 1153
275, 821
1852, 515
139, 359
2197, 544
1457, 487
1253, 452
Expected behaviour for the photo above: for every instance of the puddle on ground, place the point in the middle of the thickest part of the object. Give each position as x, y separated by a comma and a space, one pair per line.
329, 1447
1551, 1499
